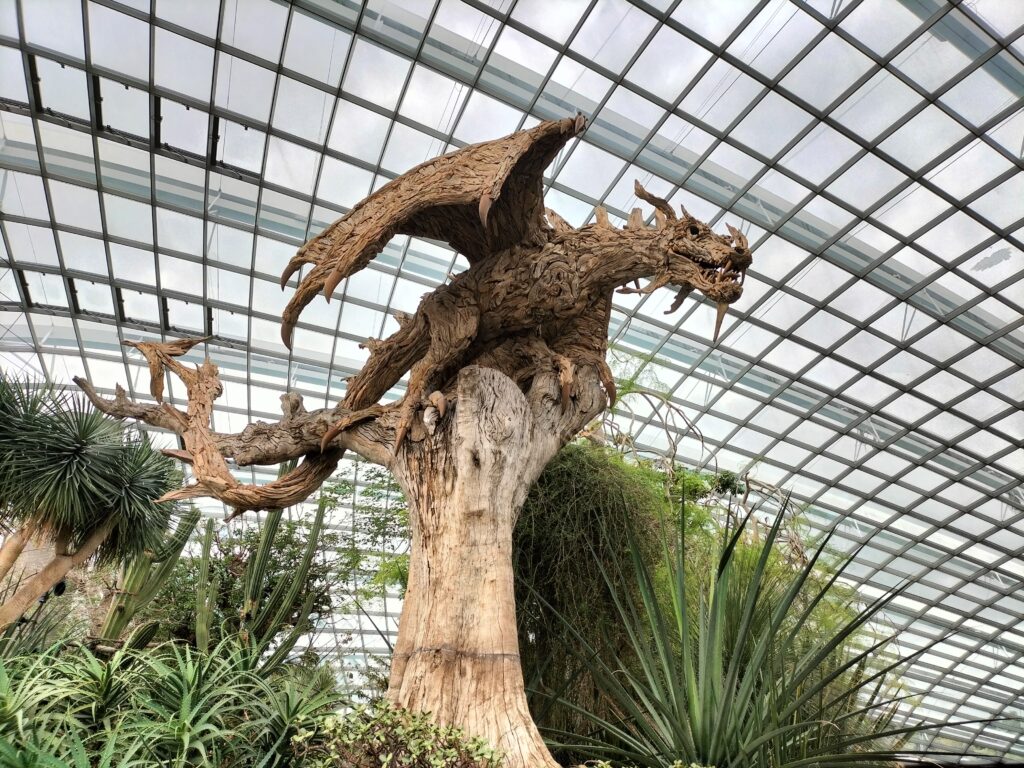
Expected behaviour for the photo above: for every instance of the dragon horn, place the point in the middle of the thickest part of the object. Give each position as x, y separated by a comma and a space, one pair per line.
722, 309
738, 238
660, 203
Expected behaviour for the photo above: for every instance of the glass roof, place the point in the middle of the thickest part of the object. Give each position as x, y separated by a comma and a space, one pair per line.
160, 160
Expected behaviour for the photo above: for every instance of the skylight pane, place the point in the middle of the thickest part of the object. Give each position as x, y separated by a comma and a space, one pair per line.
720, 95
316, 48
183, 65
12, 75
124, 108
63, 88
197, 15
55, 25
772, 40
118, 41
254, 26
459, 39
827, 72
376, 75
555, 20
945, 49
244, 87
302, 110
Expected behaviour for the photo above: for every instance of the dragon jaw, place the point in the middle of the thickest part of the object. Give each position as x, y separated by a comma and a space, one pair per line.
692, 256
714, 264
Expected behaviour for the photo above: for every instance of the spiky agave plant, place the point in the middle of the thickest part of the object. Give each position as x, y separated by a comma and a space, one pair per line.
744, 676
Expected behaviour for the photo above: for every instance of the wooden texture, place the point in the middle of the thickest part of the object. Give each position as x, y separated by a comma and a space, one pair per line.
505, 363
55, 569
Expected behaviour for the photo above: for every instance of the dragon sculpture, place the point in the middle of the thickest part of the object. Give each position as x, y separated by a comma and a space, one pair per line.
530, 273
506, 363
538, 292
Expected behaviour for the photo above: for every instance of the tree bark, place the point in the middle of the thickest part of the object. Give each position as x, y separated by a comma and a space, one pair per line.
13, 546
55, 570
457, 653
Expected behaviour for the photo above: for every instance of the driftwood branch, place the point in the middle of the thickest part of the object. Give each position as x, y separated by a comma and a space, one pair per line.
298, 435
260, 443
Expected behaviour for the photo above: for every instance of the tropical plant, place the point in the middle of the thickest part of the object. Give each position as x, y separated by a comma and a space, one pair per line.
168, 706
742, 677
73, 478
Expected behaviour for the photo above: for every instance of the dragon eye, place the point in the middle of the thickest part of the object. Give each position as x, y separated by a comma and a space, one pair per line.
694, 231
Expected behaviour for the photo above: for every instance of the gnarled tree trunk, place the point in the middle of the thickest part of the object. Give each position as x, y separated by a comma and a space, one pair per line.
56, 569
14, 544
457, 654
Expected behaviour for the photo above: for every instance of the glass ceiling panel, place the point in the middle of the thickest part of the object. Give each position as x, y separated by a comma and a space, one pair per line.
872, 149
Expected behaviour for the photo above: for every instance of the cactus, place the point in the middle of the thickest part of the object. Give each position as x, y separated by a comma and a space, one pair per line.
142, 578
206, 593
269, 616
262, 615
255, 573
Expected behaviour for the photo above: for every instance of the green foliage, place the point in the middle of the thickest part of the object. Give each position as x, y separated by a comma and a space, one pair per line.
380, 524
745, 675
176, 706
169, 706
571, 531
226, 607
396, 738
70, 470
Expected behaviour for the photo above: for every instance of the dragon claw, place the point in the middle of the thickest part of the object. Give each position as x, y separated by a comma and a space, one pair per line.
406, 414
348, 421
439, 401
566, 373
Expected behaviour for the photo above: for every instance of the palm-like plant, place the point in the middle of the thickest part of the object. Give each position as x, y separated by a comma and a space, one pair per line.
745, 675
74, 478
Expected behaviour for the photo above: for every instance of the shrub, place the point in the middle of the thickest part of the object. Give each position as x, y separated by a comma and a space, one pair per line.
388, 736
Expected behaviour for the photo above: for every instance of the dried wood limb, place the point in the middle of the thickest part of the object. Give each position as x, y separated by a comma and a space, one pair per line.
260, 443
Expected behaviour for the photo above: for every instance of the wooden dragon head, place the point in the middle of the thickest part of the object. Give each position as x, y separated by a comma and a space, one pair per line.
697, 256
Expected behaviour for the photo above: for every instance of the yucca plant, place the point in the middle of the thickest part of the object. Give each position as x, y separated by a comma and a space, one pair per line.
73, 478
745, 676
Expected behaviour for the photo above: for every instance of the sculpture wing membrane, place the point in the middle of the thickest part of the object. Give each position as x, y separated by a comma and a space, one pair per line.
481, 199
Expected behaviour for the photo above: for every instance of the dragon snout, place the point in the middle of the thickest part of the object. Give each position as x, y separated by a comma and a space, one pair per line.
741, 258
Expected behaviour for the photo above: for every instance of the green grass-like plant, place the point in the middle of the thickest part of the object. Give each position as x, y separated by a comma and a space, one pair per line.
746, 675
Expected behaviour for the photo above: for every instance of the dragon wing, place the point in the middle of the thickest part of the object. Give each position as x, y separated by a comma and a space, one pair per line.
481, 199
